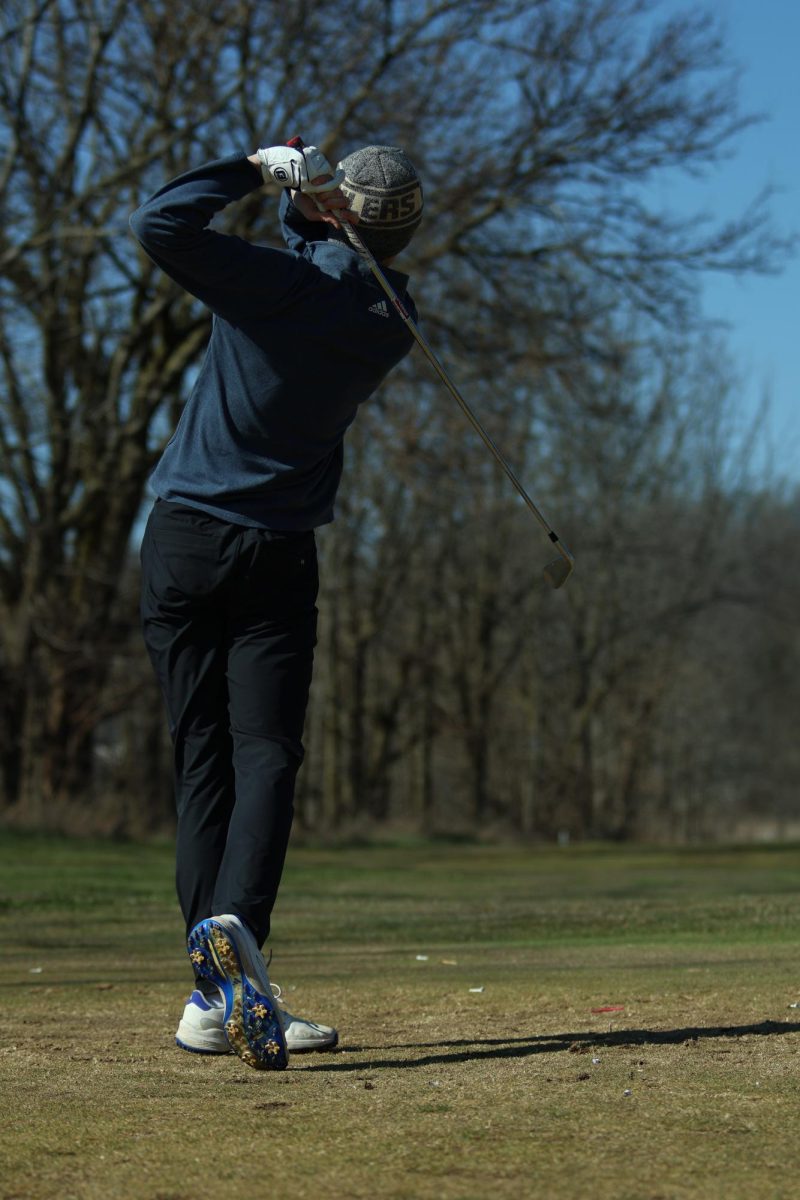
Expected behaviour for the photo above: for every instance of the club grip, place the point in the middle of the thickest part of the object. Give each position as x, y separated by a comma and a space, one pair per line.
296, 143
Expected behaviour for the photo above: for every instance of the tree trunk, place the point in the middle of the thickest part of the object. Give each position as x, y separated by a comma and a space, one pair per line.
56, 747
12, 712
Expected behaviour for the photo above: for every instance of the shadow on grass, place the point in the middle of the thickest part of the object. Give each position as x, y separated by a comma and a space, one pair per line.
478, 1050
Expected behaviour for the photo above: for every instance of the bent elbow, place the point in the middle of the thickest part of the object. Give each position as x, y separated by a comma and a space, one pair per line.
155, 230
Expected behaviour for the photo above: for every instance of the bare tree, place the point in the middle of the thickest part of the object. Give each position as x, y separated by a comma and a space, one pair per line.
102, 99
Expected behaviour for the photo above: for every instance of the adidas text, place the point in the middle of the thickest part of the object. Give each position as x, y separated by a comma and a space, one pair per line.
381, 308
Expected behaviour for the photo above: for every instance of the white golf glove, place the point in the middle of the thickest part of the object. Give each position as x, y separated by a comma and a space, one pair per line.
291, 168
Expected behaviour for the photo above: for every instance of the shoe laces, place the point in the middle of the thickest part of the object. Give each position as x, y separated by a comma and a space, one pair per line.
286, 1016
276, 987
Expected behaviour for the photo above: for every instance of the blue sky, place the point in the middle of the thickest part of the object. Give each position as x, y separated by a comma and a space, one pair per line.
763, 312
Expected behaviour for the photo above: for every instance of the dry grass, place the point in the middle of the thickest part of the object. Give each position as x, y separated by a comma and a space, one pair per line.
437, 1092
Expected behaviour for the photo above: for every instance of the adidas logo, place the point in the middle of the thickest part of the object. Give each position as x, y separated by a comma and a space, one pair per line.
381, 308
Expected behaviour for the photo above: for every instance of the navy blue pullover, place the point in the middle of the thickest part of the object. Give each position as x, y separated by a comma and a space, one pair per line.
300, 338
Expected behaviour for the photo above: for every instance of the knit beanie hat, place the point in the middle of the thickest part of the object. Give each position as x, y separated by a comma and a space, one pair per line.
382, 186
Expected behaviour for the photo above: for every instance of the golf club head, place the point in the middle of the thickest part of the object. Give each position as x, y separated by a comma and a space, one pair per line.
557, 573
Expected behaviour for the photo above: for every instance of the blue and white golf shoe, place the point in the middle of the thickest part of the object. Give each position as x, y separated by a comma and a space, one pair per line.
246, 1015
223, 950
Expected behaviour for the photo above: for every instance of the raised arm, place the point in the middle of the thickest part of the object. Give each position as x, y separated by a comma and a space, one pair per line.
173, 227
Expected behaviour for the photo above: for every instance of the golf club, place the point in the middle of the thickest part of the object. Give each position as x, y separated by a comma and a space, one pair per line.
557, 572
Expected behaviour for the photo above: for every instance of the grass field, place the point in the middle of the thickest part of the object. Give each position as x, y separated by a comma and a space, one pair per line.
438, 1091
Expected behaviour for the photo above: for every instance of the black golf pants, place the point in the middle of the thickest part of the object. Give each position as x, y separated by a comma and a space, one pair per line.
229, 618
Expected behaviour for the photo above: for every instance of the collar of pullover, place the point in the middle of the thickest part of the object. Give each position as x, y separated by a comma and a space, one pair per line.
352, 262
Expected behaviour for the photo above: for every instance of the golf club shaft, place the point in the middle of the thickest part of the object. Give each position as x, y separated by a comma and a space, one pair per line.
423, 343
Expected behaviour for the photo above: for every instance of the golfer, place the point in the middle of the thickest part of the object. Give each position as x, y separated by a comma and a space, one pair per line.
300, 338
